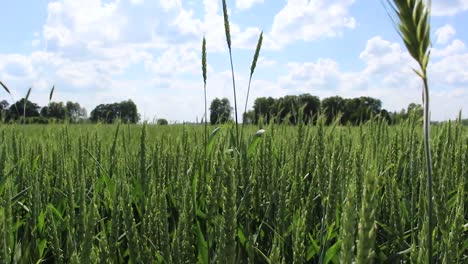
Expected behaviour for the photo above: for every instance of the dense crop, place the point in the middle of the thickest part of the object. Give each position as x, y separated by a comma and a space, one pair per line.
305, 194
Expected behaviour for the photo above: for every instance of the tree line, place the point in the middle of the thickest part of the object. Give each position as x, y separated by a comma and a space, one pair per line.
288, 109
291, 109
56, 112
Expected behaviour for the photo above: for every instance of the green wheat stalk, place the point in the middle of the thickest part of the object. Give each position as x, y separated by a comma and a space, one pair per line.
204, 88
253, 66
228, 40
205, 139
413, 24
25, 102
8, 91
51, 93
5, 87
252, 70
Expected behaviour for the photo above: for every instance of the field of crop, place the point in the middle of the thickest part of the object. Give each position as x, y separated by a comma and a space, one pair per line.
304, 194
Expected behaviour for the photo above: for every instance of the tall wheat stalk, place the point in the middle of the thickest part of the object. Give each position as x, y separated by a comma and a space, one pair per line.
5, 87
204, 89
25, 103
51, 93
412, 20
228, 40
9, 92
252, 70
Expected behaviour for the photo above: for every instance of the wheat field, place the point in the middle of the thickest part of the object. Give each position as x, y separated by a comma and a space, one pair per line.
304, 194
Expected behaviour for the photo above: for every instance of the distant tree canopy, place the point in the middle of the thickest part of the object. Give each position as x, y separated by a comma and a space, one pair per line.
162, 122
126, 111
54, 110
18, 110
75, 112
332, 107
3, 109
287, 109
60, 111
4, 105
292, 108
358, 110
264, 107
413, 108
220, 111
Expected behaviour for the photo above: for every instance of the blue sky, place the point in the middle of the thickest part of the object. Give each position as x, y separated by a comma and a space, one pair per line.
102, 51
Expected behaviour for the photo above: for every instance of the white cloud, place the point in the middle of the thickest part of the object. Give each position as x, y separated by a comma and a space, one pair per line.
70, 22
444, 34
137, 2
383, 57
452, 70
448, 7
456, 47
310, 20
323, 74
100, 51
16, 67
387, 75
35, 42
246, 4
265, 62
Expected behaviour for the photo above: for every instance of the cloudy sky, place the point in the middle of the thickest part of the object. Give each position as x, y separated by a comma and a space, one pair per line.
102, 51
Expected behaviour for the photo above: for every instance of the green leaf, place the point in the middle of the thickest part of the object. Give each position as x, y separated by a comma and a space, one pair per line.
332, 252
241, 235
211, 138
41, 221
54, 211
313, 248
19, 195
244, 241
267, 260
201, 214
202, 246
41, 246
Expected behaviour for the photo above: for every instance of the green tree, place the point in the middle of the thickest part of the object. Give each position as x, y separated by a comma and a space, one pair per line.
264, 107
249, 117
220, 111
126, 111
332, 107
358, 110
15, 111
4, 105
286, 108
74, 112
310, 105
417, 109
162, 122
3, 109
55, 110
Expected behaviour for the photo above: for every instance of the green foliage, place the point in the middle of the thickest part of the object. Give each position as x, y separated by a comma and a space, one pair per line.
119, 194
220, 111
126, 111
162, 122
29, 108
292, 109
412, 20
55, 110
